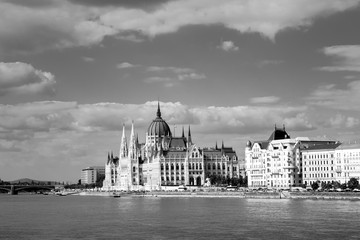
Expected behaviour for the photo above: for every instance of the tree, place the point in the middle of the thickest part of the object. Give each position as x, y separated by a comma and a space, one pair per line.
315, 185
353, 183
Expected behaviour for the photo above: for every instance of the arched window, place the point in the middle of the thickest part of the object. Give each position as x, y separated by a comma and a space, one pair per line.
214, 166
193, 166
162, 166
200, 166
172, 166
189, 165
134, 169
167, 166
182, 166
219, 167
177, 166
209, 166
197, 166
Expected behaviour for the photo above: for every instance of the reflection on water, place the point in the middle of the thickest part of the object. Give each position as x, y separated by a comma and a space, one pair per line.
80, 217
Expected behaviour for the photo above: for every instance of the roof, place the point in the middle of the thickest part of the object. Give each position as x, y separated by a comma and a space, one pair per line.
178, 142
158, 127
321, 146
279, 134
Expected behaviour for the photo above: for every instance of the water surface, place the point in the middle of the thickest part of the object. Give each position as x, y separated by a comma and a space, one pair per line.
94, 217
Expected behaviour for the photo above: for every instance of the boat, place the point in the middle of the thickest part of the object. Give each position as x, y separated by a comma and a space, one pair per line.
116, 195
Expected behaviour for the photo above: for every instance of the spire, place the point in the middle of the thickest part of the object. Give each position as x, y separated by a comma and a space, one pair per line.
158, 114
216, 146
108, 156
222, 144
183, 133
189, 136
123, 145
132, 143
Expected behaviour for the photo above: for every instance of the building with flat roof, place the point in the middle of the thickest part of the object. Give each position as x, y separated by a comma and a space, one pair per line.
92, 174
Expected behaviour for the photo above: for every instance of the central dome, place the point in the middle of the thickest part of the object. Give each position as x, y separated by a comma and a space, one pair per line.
158, 127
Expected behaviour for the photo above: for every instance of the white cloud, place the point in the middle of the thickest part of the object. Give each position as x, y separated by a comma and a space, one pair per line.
331, 96
172, 75
41, 135
340, 121
228, 46
266, 17
23, 78
267, 99
64, 24
88, 59
125, 65
347, 58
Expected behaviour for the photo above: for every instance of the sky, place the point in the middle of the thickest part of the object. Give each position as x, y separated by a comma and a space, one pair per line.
72, 72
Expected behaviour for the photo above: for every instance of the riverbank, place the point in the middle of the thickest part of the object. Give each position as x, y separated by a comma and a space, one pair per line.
235, 194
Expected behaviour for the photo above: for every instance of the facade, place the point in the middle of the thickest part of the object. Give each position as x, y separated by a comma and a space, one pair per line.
277, 162
90, 175
337, 163
319, 164
347, 157
165, 160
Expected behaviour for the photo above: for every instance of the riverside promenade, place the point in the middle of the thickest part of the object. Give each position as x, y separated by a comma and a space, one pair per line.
233, 194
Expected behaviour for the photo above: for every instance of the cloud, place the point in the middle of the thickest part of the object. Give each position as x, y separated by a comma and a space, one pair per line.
330, 96
23, 78
347, 58
228, 46
125, 65
50, 134
265, 63
267, 99
88, 59
28, 27
340, 121
265, 17
172, 75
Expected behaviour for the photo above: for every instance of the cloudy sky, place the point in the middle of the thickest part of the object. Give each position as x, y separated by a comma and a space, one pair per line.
72, 72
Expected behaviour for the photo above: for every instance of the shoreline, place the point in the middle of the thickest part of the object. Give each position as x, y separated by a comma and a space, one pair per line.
244, 195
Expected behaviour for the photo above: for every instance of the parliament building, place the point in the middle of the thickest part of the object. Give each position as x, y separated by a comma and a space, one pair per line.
165, 160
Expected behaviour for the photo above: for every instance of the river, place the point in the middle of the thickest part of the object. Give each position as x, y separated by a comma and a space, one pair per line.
95, 217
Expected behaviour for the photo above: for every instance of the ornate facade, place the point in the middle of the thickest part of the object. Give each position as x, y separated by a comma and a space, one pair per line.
278, 161
165, 160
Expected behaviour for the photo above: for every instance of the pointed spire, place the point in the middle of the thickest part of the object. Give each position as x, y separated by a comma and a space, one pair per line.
158, 113
216, 146
189, 136
183, 133
123, 145
132, 143
108, 156
222, 144
112, 156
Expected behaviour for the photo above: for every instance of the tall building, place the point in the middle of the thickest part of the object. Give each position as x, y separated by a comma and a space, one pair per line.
166, 160
92, 174
277, 162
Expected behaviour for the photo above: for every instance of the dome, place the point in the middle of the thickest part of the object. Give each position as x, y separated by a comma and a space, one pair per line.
279, 134
158, 126
248, 144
